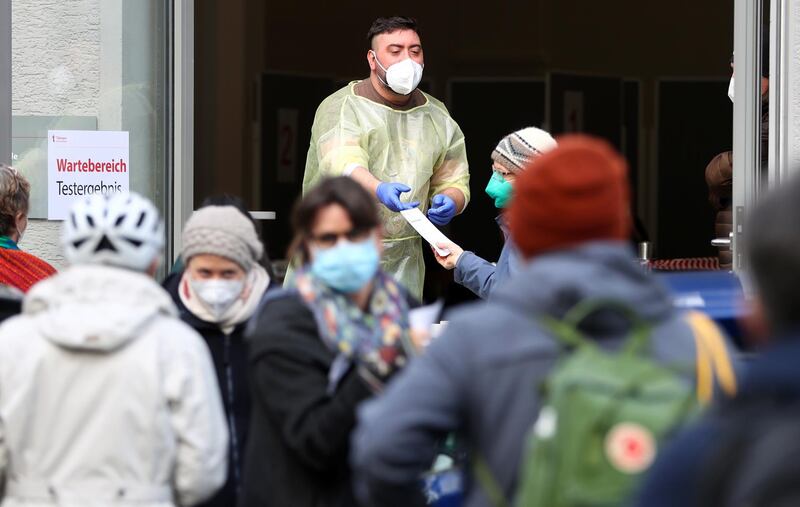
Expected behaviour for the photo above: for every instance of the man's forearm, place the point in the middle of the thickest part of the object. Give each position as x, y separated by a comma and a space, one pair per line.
366, 179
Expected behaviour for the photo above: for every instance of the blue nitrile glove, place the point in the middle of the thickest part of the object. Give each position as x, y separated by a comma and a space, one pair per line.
389, 195
443, 209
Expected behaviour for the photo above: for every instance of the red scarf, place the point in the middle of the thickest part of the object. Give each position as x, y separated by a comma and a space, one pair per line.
21, 270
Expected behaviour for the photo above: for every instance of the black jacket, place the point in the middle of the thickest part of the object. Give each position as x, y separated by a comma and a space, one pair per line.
229, 353
10, 303
771, 383
297, 455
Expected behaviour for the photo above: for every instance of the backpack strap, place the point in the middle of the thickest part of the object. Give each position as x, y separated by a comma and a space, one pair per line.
713, 361
488, 482
567, 329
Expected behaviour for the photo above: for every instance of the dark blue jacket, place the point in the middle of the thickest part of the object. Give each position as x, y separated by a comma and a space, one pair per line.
481, 276
677, 474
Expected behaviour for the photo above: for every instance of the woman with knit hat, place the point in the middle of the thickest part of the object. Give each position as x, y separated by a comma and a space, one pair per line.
509, 159
216, 294
18, 269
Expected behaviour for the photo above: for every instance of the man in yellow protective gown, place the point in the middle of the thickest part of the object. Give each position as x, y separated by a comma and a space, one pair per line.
393, 139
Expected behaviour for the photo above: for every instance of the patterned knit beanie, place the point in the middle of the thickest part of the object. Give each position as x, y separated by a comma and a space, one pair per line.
222, 231
517, 150
576, 193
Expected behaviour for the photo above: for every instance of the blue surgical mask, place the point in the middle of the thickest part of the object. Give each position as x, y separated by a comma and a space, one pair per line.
346, 267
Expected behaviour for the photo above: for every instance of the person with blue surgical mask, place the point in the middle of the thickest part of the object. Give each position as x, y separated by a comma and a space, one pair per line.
398, 142
319, 348
511, 156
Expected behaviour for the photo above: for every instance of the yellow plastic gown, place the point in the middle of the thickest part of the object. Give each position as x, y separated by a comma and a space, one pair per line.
422, 147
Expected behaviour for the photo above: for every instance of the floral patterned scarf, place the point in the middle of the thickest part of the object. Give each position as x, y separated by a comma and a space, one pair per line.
379, 336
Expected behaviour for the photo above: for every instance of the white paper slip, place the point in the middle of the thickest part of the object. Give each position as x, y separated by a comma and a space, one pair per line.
426, 229
438, 329
424, 317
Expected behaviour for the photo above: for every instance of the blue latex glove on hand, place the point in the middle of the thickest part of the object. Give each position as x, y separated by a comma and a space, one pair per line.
443, 209
389, 195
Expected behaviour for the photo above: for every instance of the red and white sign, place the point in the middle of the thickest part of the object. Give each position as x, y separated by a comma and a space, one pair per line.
82, 163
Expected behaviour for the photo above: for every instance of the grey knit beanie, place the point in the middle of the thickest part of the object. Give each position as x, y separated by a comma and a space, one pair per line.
222, 231
516, 150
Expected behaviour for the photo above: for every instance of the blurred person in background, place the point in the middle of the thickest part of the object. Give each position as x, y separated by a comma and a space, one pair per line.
18, 269
719, 178
570, 219
745, 452
511, 156
216, 294
320, 348
107, 397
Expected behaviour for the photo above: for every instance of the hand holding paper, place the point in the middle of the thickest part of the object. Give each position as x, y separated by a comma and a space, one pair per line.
447, 261
426, 229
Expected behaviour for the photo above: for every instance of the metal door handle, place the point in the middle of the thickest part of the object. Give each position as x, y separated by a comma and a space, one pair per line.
263, 215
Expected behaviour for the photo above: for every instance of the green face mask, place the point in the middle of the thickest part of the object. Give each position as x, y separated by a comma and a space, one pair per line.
499, 189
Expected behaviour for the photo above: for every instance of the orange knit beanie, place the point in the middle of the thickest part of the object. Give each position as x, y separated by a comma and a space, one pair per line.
576, 193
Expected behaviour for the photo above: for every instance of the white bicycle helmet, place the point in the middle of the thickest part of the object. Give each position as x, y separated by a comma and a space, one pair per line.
122, 229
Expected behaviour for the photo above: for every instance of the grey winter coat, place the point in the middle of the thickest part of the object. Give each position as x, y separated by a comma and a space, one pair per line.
481, 276
480, 378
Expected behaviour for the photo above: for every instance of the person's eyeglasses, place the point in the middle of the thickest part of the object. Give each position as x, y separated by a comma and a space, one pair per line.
329, 239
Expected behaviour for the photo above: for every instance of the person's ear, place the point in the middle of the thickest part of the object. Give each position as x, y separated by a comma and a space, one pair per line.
371, 61
21, 222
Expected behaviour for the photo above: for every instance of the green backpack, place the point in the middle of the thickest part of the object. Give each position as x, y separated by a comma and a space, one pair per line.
603, 416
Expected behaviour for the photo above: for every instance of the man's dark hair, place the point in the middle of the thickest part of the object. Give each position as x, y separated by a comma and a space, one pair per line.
357, 202
773, 247
389, 25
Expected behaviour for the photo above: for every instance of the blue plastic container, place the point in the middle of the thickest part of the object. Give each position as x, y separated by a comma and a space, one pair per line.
716, 293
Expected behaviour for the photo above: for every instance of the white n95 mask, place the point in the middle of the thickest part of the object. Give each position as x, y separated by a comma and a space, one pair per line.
218, 295
402, 77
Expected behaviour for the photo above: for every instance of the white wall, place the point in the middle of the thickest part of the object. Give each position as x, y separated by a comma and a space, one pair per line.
66, 61
55, 69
